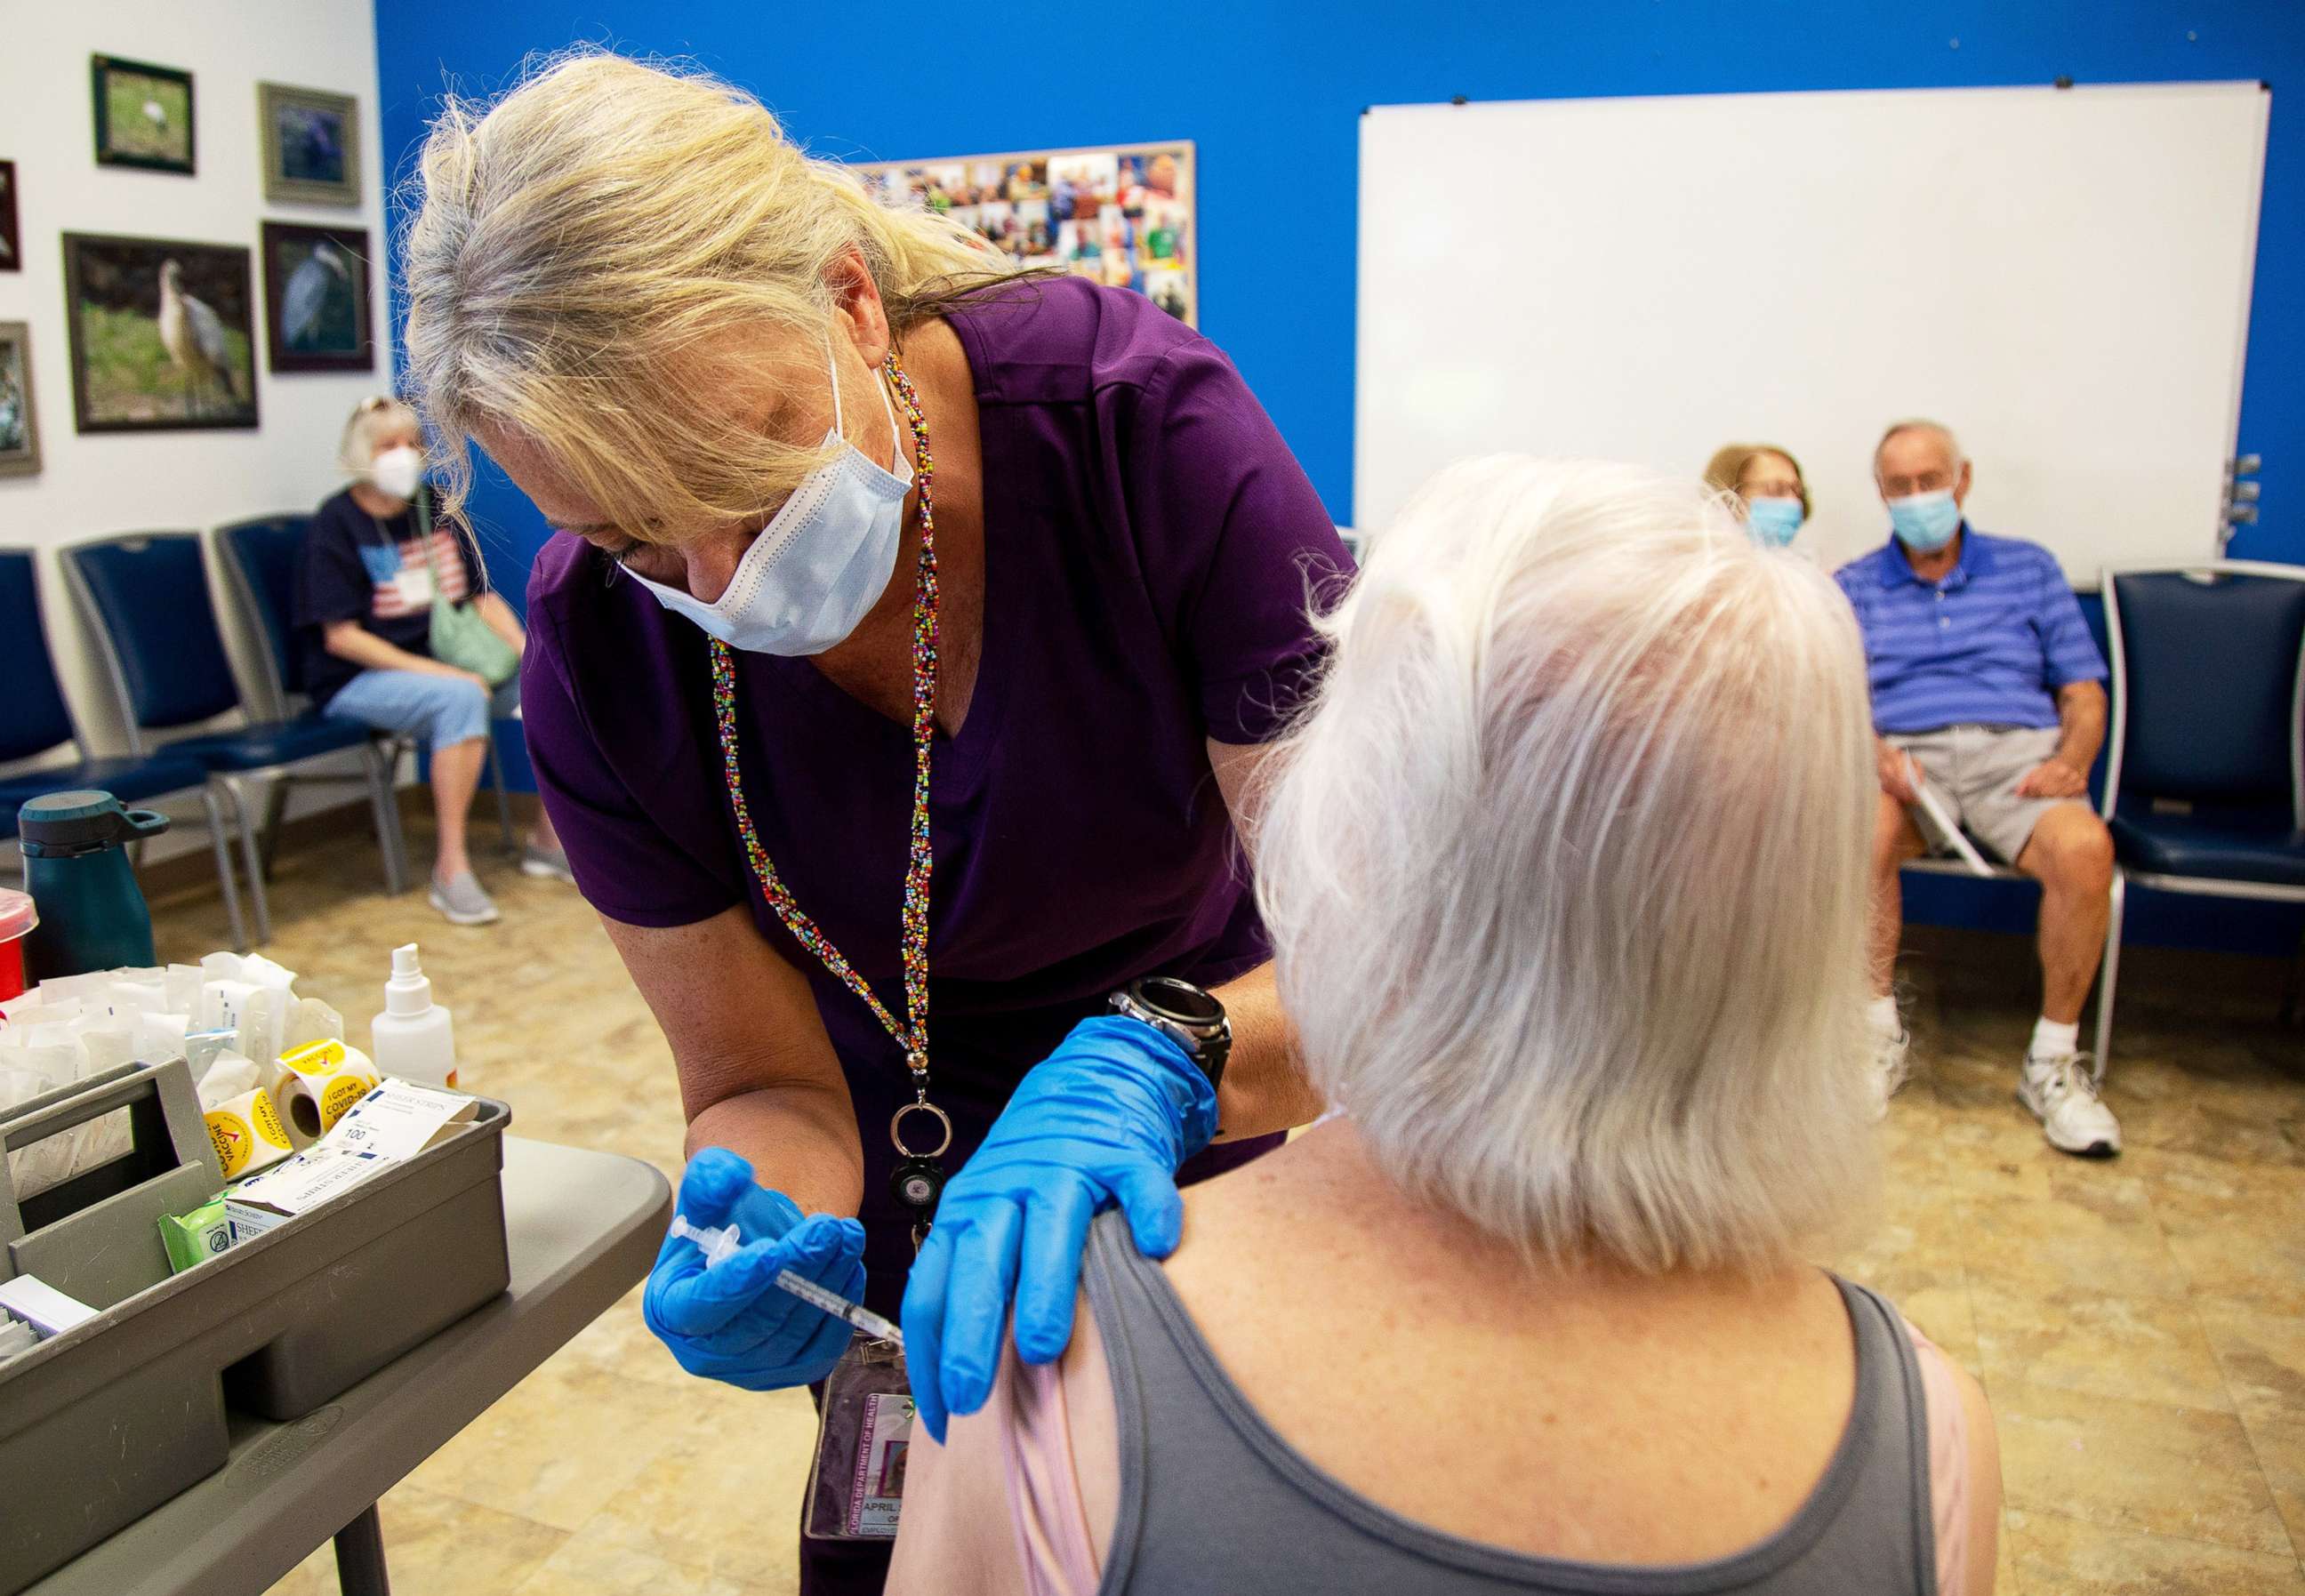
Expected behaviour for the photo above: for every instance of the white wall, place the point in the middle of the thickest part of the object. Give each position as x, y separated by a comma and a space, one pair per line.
2061, 275
105, 483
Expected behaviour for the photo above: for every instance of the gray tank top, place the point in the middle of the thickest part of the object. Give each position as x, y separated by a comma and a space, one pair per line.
1214, 1503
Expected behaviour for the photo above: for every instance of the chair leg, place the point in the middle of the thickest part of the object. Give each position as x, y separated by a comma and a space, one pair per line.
383, 765
2109, 976
503, 801
2289, 1000
223, 868
275, 809
258, 901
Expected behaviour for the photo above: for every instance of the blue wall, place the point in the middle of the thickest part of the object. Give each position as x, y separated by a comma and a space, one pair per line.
1271, 93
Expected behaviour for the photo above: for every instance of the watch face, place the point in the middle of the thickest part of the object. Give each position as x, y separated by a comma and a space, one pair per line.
1179, 1000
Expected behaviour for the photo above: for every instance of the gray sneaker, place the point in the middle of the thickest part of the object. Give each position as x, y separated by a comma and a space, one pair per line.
461, 901
546, 864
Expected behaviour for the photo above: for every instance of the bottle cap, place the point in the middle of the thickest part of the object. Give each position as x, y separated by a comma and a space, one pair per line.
61, 824
403, 961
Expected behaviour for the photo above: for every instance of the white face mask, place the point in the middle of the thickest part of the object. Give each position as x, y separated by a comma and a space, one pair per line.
398, 471
819, 566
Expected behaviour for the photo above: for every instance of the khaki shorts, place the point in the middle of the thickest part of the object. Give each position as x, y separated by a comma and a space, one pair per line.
1974, 771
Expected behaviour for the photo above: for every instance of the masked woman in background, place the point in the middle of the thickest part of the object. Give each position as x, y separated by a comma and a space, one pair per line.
365, 587
1770, 489
900, 664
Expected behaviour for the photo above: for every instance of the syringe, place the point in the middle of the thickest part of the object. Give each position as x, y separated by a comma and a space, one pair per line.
718, 1242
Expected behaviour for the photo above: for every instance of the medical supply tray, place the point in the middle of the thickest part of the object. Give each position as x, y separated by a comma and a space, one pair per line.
105, 1422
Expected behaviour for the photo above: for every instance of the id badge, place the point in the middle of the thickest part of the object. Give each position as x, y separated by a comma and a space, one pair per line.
414, 584
857, 1487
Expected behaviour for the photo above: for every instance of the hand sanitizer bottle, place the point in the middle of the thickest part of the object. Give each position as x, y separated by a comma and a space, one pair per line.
413, 1038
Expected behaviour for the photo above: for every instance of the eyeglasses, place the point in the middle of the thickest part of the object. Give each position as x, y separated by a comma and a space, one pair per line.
1775, 488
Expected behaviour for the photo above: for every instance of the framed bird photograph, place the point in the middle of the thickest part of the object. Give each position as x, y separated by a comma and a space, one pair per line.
19, 428
315, 299
311, 144
143, 115
162, 333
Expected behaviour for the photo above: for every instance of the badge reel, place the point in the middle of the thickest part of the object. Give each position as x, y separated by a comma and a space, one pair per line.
857, 1487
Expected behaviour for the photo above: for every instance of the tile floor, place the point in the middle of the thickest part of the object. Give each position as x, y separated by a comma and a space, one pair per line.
2140, 1326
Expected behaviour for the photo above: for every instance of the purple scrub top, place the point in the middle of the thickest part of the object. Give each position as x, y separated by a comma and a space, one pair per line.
1150, 543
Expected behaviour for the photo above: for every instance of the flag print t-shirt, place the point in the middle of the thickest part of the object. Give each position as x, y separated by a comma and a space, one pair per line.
360, 567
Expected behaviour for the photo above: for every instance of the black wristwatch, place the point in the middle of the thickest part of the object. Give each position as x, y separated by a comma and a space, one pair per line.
1182, 1012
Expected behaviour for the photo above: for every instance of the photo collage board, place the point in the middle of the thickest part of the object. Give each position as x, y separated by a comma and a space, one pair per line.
1121, 216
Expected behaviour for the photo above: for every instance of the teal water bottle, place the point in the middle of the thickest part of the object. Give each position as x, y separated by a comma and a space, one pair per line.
92, 914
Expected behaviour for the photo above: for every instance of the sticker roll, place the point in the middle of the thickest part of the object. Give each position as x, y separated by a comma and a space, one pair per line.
317, 1082
247, 1134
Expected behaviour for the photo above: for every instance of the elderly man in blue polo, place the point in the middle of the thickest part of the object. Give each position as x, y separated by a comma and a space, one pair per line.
1988, 687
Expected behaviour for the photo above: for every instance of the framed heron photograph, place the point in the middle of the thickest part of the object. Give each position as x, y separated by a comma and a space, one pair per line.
162, 333
311, 144
143, 115
19, 428
315, 299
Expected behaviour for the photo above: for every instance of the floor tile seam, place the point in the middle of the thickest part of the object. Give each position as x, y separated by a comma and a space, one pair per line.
2089, 1524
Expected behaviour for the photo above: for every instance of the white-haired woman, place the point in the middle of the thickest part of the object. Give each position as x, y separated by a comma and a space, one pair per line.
365, 585
905, 647
1566, 875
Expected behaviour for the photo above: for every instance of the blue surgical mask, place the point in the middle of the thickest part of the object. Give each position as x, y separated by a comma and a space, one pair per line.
1924, 523
821, 564
1774, 521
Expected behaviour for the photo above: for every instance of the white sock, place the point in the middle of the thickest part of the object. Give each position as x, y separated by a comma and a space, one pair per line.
1881, 1013
2053, 1041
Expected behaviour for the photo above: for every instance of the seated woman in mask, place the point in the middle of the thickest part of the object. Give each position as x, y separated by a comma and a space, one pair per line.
1565, 867
1771, 492
364, 609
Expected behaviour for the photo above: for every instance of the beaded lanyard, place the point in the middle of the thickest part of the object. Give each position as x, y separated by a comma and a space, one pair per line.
918, 1179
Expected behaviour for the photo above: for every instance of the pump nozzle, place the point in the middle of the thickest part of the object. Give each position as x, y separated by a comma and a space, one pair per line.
408, 992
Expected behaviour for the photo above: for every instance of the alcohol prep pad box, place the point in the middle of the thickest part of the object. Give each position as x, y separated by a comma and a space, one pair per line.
400, 1119
305, 1182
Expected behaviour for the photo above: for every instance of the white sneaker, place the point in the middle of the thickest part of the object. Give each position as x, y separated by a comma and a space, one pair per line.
1891, 1069
2062, 1094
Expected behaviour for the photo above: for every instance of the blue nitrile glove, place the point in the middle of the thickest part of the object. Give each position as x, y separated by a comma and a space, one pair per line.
1108, 1116
733, 1321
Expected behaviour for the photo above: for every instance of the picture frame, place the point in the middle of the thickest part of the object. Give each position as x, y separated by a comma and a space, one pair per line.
19, 420
315, 299
162, 333
11, 237
310, 139
145, 115
1123, 215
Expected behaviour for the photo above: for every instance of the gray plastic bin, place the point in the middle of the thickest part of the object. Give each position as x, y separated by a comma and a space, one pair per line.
103, 1423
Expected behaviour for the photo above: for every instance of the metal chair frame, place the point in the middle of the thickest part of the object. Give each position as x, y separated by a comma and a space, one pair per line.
2117, 746
231, 782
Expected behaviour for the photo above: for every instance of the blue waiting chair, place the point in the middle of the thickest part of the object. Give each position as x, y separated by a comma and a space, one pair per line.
36, 721
259, 556
146, 600
2205, 783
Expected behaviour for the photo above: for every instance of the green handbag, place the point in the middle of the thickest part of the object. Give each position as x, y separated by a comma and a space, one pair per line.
460, 637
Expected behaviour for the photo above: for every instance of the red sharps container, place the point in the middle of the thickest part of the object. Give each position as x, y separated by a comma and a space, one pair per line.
17, 917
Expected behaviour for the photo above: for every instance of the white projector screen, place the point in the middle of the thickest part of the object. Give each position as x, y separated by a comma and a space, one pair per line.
2061, 275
